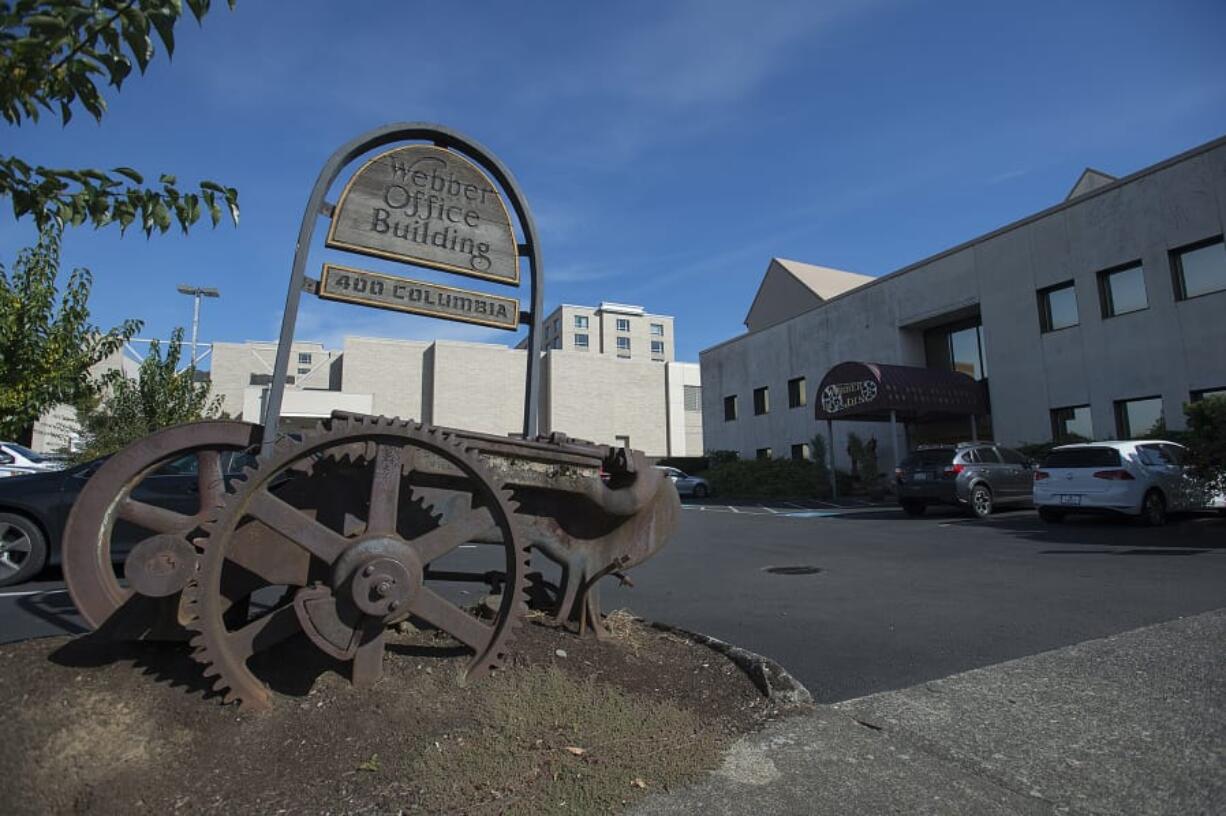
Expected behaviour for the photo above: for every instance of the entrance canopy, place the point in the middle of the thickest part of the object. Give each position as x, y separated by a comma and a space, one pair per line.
874, 391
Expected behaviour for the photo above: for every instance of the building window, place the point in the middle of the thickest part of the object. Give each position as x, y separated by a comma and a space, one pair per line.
1206, 393
581, 342
1071, 423
580, 321
1058, 307
622, 441
304, 358
657, 329
796, 393
1138, 417
657, 348
801, 452
692, 395
623, 347
623, 324
1199, 269
761, 401
764, 453
957, 347
1122, 290
730, 408
304, 371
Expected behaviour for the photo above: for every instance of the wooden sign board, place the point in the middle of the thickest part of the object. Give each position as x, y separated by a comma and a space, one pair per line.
431, 207
417, 297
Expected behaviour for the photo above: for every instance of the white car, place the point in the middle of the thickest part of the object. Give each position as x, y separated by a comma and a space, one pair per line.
18, 460
1145, 478
686, 485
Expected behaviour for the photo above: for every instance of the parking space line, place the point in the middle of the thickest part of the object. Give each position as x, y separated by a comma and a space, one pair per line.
768, 509
733, 509
32, 592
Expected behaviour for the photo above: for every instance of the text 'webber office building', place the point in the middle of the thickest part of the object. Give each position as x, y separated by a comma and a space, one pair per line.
1096, 318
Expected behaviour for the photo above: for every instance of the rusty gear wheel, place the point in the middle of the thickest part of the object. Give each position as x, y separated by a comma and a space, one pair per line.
118, 492
349, 572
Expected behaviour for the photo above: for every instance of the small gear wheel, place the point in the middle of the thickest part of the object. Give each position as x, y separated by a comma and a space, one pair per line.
346, 541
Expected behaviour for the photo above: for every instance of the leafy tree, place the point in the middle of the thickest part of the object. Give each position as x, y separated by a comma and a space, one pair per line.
47, 348
130, 409
1206, 440
57, 56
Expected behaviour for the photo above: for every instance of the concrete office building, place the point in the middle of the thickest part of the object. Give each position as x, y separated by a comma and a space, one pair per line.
615, 329
1099, 317
652, 405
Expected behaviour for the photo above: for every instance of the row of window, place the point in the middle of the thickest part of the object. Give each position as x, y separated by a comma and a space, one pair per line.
1197, 269
1133, 417
623, 325
583, 343
801, 452
797, 398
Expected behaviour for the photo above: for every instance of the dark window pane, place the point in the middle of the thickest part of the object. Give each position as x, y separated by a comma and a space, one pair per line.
1068, 423
988, 456
1203, 270
761, 400
764, 453
965, 347
1012, 457
800, 452
1126, 291
1082, 458
729, 408
1060, 308
1138, 417
796, 393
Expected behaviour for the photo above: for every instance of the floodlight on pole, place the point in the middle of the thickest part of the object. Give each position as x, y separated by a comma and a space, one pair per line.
196, 292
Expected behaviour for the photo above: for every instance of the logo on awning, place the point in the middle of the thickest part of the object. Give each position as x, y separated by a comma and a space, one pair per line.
838, 397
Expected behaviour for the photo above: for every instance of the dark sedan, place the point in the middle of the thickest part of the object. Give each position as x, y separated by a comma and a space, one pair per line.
34, 510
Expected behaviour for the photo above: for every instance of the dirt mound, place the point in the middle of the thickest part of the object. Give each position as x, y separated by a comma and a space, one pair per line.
572, 726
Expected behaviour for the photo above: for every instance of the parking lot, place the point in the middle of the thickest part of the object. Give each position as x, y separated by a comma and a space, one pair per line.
870, 599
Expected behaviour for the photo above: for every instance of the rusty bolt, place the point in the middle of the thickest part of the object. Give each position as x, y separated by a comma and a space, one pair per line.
369, 571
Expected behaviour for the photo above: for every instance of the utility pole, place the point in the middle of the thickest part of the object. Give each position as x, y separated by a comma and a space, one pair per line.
197, 292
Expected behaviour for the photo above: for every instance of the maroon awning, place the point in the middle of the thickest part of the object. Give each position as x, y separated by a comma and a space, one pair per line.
869, 391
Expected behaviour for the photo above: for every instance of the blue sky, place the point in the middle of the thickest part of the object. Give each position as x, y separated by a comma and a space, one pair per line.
667, 149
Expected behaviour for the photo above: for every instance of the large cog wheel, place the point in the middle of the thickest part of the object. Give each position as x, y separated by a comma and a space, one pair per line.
161, 561
350, 573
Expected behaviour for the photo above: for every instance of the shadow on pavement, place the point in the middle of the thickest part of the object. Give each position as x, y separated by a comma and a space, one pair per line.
56, 609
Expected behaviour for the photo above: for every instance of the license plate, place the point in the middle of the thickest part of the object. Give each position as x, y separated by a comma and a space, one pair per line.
920, 477
1070, 499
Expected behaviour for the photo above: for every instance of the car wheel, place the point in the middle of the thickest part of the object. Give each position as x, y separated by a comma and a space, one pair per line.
914, 508
23, 549
1050, 515
1153, 509
981, 501
701, 491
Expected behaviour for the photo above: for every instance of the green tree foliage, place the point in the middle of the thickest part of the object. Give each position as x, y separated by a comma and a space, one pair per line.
130, 409
58, 56
47, 343
1206, 440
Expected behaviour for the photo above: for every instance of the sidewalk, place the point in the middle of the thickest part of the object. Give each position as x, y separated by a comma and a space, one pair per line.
1130, 724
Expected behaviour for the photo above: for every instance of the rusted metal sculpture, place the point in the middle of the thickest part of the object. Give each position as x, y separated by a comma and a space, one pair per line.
337, 533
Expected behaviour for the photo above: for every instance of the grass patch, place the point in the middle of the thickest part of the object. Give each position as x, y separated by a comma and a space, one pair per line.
546, 743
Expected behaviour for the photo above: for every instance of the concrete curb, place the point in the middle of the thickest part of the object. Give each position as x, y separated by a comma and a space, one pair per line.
774, 681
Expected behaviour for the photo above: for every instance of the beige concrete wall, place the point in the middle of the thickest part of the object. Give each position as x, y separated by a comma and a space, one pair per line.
390, 370
233, 365
600, 398
477, 387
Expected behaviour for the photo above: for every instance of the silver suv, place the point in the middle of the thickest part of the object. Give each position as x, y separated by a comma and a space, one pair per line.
974, 476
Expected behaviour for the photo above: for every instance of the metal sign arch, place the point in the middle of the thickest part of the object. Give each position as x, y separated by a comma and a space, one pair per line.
317, 208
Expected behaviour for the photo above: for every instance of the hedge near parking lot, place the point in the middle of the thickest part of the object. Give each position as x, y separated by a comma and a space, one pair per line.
773, 478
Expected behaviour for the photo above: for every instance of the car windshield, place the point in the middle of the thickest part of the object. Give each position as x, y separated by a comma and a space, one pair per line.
26, 452
932, 456
1082, 458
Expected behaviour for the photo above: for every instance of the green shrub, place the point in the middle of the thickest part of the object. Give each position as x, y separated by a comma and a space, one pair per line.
1206, 440
767, 478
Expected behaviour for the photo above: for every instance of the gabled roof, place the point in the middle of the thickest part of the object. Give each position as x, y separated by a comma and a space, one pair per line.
791, 287
1089, 180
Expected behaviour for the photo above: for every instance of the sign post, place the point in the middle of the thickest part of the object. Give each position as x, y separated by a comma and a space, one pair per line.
440, 203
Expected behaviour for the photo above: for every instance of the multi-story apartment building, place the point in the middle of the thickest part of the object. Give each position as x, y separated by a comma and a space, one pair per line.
614, 329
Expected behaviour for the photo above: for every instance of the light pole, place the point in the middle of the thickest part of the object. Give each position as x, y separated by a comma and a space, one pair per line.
197, 292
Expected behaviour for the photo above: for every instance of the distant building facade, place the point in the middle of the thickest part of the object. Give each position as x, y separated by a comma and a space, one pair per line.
1098, 317
644, 399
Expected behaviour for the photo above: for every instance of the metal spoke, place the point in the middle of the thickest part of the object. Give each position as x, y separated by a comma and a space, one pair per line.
304, 531
264, 633
7, 565
444, 539
385, 490
152, 517
433, 608
209, 480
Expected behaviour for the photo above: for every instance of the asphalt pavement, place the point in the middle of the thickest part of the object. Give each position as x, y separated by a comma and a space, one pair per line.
891, 601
